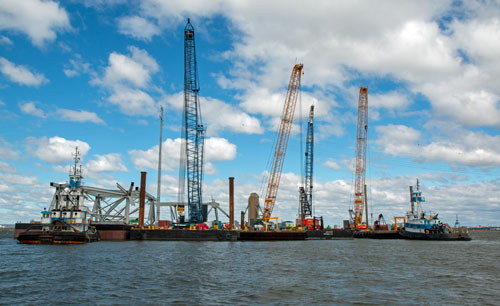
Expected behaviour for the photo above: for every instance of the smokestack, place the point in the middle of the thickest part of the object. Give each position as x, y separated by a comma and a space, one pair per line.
242, 224
231, 202
411, 200
142, 199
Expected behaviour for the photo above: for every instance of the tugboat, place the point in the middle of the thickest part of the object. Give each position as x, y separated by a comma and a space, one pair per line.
65, 222
418, 226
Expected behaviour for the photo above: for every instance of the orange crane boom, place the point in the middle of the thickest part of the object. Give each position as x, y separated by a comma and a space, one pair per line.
282, 141
359, 193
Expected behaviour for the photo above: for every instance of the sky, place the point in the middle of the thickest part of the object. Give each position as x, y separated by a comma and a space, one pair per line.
95, 73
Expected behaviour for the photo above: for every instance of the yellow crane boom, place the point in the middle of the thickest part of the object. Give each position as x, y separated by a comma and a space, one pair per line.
282, 141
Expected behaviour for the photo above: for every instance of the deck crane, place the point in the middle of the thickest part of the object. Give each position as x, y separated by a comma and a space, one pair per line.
359, 185
194, 129
282, 141
306, 191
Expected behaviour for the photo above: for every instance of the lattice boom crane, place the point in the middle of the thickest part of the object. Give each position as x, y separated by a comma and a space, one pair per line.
282, 141
306, 191
194, 129
359, 191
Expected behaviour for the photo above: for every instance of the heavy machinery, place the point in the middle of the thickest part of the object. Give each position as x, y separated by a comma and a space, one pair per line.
305, 192
194, 129
359, 185
282, 141
380, 224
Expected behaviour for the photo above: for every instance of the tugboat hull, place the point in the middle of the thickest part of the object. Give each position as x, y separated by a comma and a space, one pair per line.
436, 236
56, 237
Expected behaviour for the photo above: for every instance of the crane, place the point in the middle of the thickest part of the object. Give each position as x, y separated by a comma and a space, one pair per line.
306, 191
282, 141
194, 129
359, 185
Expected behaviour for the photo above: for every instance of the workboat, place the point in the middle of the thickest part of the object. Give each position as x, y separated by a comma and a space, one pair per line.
420, 226
66, 221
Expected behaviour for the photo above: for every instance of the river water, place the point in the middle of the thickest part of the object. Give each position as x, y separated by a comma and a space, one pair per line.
341, 272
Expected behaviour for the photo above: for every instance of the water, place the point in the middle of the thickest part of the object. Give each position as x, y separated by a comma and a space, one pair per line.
362, 272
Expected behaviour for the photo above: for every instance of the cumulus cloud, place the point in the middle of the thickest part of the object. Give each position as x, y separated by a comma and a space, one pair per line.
21, 74
39, 20
30, 108
411, 47
133, 102
4, 40
76, 66
7, 151
135, 69
106, 163
219, 115
137, 27
474, 149
216, 150
78, 116
126, 78
56, 150
332, 164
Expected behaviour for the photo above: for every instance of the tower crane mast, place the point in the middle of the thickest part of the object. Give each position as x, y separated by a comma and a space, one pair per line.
194, 129
306, 191
282, 141
359, 191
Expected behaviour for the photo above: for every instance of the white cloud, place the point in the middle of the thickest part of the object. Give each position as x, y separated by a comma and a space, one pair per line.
77, 66
6, 167
137, 27
148, 159
30, 108
106, 163
40, 20
21, 74
132, 70
6, 151
474, 149
219, 149
4, 40
133, 102
219, 115
216, 150
332, 164
417, 47
17, 179
78, 116
56, 150
102, 4
127, 78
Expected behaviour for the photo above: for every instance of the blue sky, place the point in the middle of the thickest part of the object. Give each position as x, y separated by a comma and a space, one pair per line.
95, 73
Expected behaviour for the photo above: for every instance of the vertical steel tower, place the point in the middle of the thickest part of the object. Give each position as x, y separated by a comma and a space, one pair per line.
194, 129
359, 194
306, 198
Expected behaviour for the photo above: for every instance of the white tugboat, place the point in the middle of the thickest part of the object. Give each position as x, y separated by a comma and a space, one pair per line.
420, 226
67, 219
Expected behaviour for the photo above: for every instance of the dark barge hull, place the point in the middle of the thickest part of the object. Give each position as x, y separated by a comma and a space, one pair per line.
435, 236
377, 235
271, 235
183, 235
113, 231
55, 237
